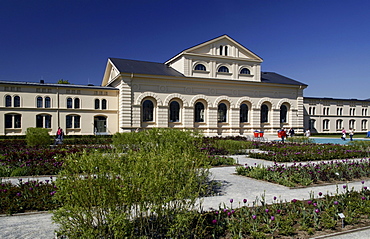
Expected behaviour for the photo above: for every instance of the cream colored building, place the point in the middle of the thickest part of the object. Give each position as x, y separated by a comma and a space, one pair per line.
79, 110
216, 87
330, 115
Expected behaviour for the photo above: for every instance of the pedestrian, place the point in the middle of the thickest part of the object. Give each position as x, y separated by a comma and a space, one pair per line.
282, 134
343, 134
59, 136
291, 132
351, 133
307, 133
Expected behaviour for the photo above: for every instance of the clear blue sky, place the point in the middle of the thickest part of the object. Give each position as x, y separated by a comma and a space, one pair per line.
322, 43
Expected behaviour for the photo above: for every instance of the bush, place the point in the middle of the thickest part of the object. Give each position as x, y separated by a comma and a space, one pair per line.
150, 191
37, 137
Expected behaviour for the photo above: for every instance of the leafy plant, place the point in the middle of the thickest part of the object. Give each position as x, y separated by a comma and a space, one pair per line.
37, 137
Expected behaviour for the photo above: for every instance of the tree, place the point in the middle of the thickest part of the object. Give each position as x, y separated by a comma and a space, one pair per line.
61, 81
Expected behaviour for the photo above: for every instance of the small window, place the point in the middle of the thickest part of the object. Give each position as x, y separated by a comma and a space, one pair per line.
77, 103
77, 123
69, 103
8, 101
199, 112
283, 114
174, 111
97, 104
148, 108
326, 124
245, 71
223, 69
264, 113
243, 113
222, 113
39, 102
17, 101
47, 102
104, 104
200, 67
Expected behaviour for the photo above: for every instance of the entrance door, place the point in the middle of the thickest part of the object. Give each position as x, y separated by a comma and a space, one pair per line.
100, 124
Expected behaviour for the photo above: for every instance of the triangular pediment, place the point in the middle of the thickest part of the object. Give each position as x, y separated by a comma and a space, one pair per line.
223, 46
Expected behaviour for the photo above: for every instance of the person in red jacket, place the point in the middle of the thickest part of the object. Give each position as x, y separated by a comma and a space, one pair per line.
283, 134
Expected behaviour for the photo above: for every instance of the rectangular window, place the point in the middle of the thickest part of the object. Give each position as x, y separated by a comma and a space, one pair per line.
68, 121
8, 121
48, 121
17, 121
39, 121
77, 119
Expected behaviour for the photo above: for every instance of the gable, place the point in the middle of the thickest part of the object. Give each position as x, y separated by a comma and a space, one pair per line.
223, 46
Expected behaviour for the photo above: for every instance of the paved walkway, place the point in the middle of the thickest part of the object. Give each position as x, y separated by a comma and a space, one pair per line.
232, 187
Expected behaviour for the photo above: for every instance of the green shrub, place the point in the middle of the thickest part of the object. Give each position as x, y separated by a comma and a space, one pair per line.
37, 137
149, 191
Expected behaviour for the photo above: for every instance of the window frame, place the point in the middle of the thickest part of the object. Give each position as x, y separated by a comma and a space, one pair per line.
148, 110
47, 102
264, 115
199, 112
222, 113
223, 69
174, 111
244, 113
244, 69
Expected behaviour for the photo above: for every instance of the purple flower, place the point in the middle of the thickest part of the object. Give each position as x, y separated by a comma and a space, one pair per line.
214, 221
217, 212
317, 210
315, 204
320, 194
274, 198
344, 186
266, 210
30, 189
245, 200
225, 210
363, 198
231, 200
52, 193
365, 187
272, 218
335, 202
19, 194
362, 182
254, 216
229, 213
294, 200
309, 202
278, 211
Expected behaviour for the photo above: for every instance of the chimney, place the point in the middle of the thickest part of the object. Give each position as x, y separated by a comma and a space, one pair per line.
42, 82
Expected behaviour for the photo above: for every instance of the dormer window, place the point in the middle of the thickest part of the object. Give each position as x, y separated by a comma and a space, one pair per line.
223, 69
245, 71
200, 67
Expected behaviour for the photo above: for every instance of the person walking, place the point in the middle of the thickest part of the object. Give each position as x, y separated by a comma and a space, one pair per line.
59, 136
351, 133
291, 132
343, 134
282, 134
307, 133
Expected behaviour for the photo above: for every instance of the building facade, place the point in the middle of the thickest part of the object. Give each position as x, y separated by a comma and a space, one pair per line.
330, 115
216, 87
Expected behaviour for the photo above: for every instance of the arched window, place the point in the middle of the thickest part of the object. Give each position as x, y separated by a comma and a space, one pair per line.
69, 103
199, 112
39, 102
200, 67
223, 69
174, 111
243, 113
326, 124
339, 124
104, 104
352, 124
226, 51
245, 71
364, 124
311, 124
77, 103
97, 104
13, 121
8, 101
283, 114
221, 113
148, 108
47, 102
17, 101
221, 47
264, 113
